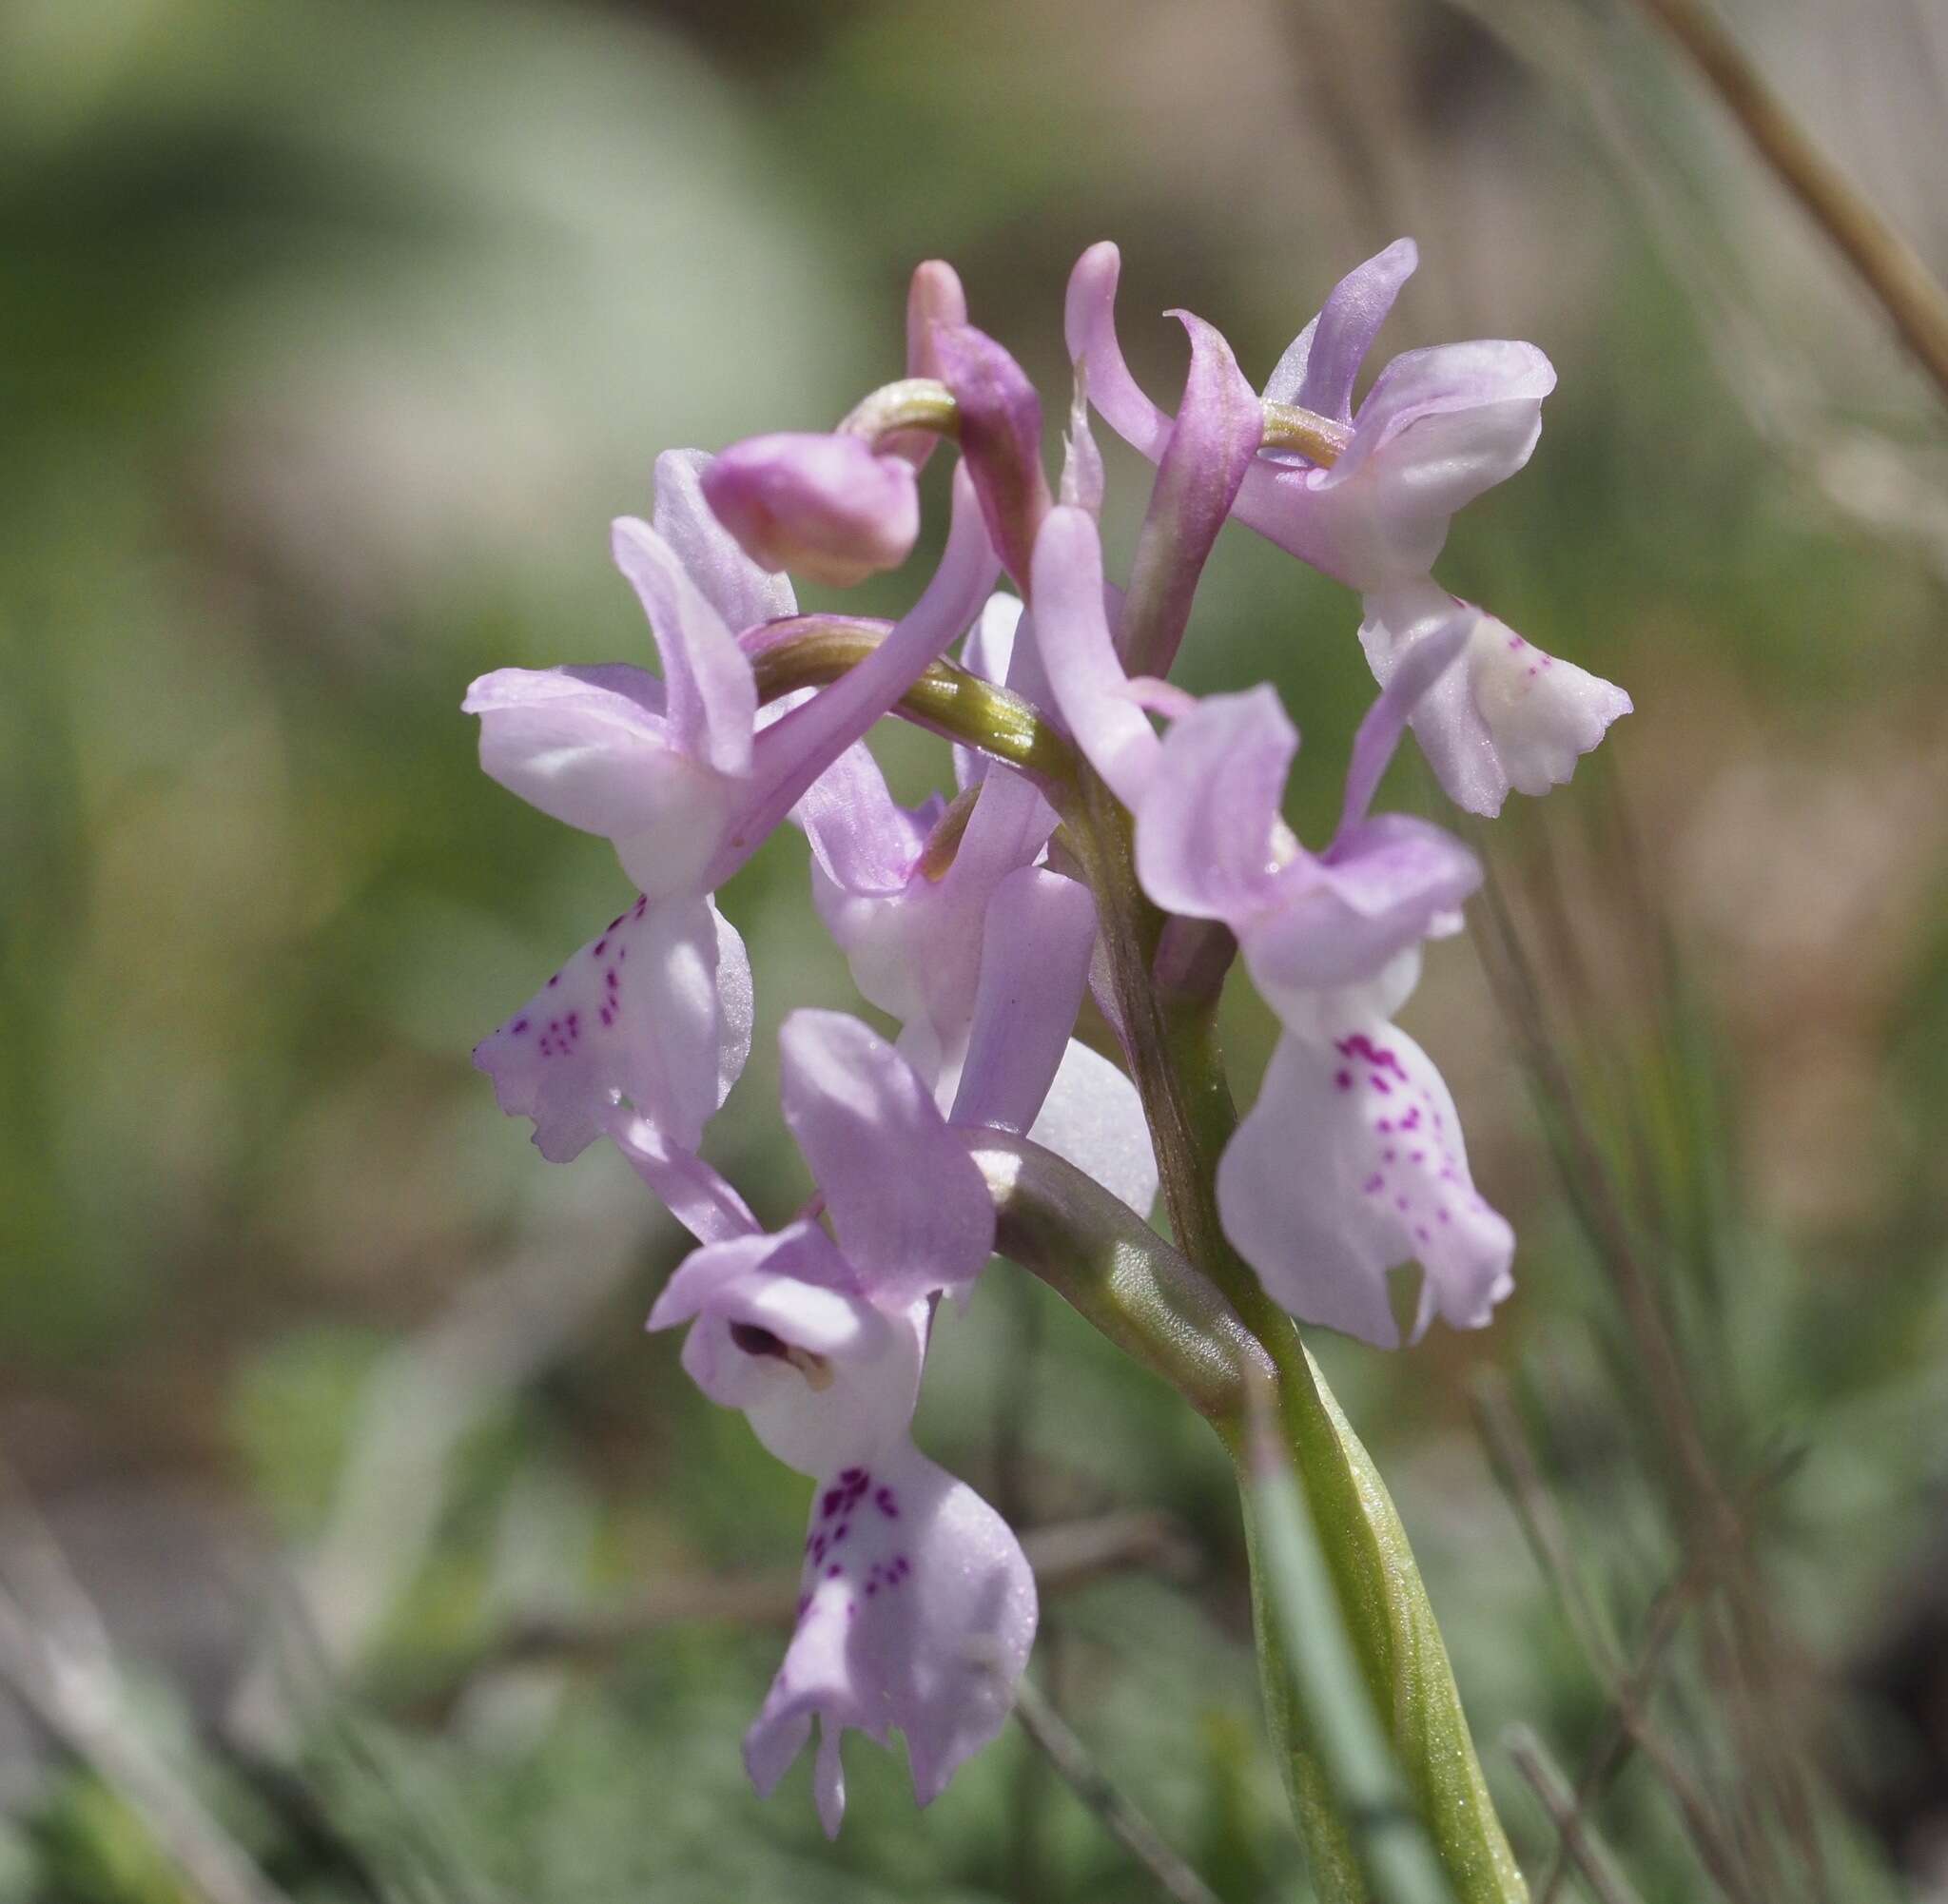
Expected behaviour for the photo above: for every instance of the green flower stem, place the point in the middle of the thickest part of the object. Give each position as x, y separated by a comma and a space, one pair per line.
1108, 1264
810, 651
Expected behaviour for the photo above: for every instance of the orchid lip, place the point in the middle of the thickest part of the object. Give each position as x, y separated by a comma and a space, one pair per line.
755, 1340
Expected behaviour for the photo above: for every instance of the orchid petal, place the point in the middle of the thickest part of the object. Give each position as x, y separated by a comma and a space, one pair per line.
1317, 372
908, 1204
1035, 943
780, 1330
590, 746
1208, 828
1093, 1117
694, 1194
657, 1011
1215, 435
1001, 439
920, 1620
1079, 653
1507, 717
1089, 324
934, 299
1408, 683
862, 840
742, 593
1350, 1163
1385, 886
710, 691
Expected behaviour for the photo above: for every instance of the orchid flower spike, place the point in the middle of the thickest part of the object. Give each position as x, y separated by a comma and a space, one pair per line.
1437, 428
685, 780
917, 1608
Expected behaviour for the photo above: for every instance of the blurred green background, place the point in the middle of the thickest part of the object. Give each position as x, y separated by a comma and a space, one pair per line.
331, 336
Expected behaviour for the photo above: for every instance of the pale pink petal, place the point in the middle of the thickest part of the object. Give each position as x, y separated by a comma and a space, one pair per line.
908, 1206
1093, 1117
1506, 716
590, 746
1350, 1163
918, 1619
1208, 829
1079, 653
779, 1327
1089, 324
654, 1012
710, 691
1039, 933
694, 1194
1317, 371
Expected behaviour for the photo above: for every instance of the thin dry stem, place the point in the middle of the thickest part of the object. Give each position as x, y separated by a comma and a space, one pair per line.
1887, 264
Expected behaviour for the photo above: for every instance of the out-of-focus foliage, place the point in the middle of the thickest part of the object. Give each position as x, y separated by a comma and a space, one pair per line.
331, 336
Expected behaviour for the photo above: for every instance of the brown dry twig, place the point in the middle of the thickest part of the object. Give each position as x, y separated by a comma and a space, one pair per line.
1888, 265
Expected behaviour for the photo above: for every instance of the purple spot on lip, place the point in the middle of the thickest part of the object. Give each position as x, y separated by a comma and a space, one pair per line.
518, 1026
1374, 1184
1344, 1081
600, 946
833, 1571
554, 980
883, 1500
1380, 1084
871, 1588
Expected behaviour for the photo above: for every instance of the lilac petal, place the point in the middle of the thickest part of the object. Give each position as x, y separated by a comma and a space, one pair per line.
693, 1192
1093, 1117
863, 842
1078, 652
590, 746
908, 1206
1001, 439
1215, 435
1039, 932
710, 692
740, 592
1412, 675
914, 945
920, 1620
1209, 831
1506, 716
792, 753
780, 1330
1350, 1163
1317, 372
1387, 883
1089, 323
1437, 428
656, 1012
934, 299
1083, 477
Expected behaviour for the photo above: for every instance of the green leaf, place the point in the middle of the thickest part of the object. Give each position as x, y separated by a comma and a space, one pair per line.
1343, 1528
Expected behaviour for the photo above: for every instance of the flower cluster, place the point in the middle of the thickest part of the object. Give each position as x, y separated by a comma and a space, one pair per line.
980, 921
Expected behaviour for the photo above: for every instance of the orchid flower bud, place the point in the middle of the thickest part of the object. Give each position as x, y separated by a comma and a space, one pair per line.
827, 507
